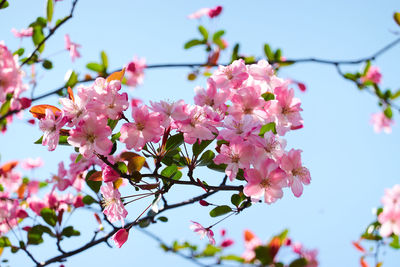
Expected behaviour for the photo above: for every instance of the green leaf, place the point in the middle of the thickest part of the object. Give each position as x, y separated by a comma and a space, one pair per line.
49, 216
112, 123
210, 251
199, 147
47, 64
50, 10
232, 258
88, 200
174, 142
70, 231
5, 108
144, 223
203, 32
236, 199
172, 172
367, 66
301, 262
220, 210
282, 236
388, 113
278, 55
192, 43
5, 5
217, 35
122, 167
104, 60
62, 141
95, 67
268, 96
206, 158
72, 80
78, 158
218, 168
395, 95
36, 232
235, 52
395, 242
38, 37
350, 76
163, 219
115, 137
268, 52
94, 185
19, 52
266, 128
263, 254
396, 17
4, 242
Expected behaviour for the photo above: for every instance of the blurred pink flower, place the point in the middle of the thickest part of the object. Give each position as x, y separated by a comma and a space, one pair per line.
120, 237
23, 32
199, 229
373, 75
72, 48
380, 122
135, 71
211, 12
30, 163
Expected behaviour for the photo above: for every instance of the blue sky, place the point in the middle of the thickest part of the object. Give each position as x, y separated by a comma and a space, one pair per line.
350, 164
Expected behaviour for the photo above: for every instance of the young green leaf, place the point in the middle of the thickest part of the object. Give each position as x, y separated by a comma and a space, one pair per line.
220, 210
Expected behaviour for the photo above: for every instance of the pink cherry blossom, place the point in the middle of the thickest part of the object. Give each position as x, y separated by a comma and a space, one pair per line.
145, 128
381, 122
196, 126
114, 209
373, 75
109, 174
169, 110
261, 71
265, 179
231, 76
211, 96
23, 32
297, 174
10, 75
31, 163
250, 242
239, 130
248, 101
286, 110
270, 146
211, 12
72, 48
134, 71
120, 237
390, 220
237, 156
391, 199
51, 125
91, 135
61, 182
76, 109
199, 229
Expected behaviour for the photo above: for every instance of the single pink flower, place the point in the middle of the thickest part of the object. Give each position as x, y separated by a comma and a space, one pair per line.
231, 76
61, 182
265, 179
120, 237
135, 71
23, 32
145, 128
380, 122
236, 156
199, 229
72, 48
51, 125
391, 199
114, 209
270, 146
109, 174
211, 96
239, 130
211, 12
91, 135
373, 75
297, 174
30, 163
261, 71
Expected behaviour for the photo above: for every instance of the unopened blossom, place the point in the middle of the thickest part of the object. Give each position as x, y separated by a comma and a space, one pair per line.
231, 76
145, 128
114, 209
297, 174
72, 48
236, 156
134, 71
380, 122
109, 174
373, 75
199, 229
51, 125
120, 237
265, 179
91, 135
210, 12
23, 32
31, 163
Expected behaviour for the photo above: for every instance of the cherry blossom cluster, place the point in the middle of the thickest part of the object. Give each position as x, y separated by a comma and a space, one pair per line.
390, 216
11, 84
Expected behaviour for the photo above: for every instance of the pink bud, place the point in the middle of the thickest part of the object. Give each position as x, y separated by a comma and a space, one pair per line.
120, 237
227, 243
204, 203
109, 174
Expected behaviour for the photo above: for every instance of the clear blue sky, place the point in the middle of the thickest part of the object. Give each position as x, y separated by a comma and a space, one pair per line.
350, 164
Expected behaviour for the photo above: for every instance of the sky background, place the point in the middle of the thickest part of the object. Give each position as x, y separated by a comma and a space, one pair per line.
350, 165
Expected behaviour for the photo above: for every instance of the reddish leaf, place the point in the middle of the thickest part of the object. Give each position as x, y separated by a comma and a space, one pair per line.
363, 263
358, 246
97, 176
8, 167
302, 86
118, 75
147, 186
71, 94
39, 111
248, 235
